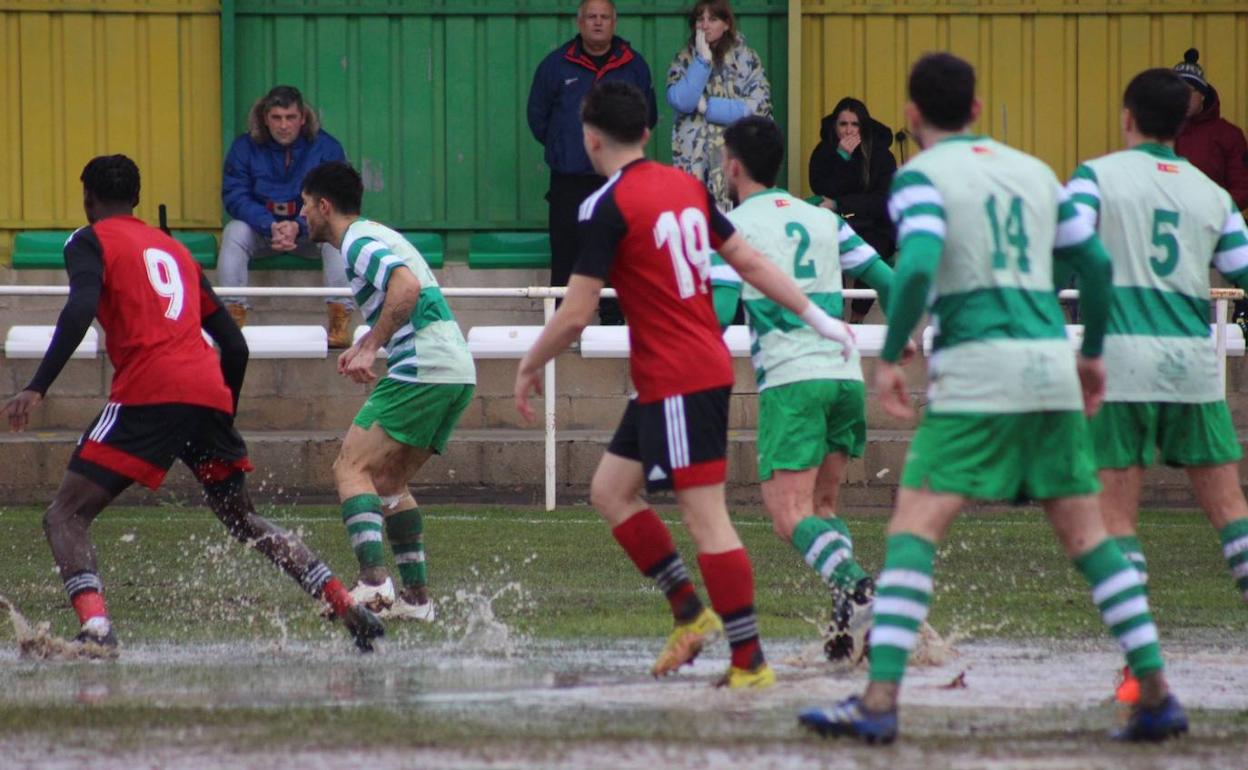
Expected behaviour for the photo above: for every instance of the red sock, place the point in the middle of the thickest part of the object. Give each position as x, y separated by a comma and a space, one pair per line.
337, 596
89, 604
730, 584
645, 539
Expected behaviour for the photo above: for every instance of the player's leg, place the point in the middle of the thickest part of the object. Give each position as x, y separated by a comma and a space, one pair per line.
1124, 435
239, 244
67, 527
1120, 511
405, 528
1219, 494
217, 456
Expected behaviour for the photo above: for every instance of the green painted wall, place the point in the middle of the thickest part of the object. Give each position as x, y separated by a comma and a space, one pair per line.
428, 96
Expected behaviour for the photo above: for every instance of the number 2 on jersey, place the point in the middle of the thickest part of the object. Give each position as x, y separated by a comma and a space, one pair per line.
162, 273
802, 267
688, 241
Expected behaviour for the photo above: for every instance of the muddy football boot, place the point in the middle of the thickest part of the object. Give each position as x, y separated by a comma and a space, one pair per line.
850, 718
96, 638
376, 598
852, 615
686, 641
402, 609
1166, 720
364, 627
757, 678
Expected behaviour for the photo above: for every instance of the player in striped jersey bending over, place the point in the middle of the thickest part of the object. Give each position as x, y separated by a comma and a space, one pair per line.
811, 402
411, 413
1163, 223
980, 225
650, 230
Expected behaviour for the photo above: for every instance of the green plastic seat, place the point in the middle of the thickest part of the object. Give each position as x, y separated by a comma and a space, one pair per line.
430, 246
45, 249
500, 250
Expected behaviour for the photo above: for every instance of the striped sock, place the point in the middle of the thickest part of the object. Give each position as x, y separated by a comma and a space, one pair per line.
86, 593
362, 515
903, 595
730, 584
320, 582
405, 530
1120, 596
828, 549
1130, 545
645, 539
1235, 548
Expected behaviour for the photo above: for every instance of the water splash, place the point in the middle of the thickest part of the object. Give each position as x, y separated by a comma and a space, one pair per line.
37, 642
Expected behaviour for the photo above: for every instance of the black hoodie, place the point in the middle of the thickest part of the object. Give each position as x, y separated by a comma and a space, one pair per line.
865, 207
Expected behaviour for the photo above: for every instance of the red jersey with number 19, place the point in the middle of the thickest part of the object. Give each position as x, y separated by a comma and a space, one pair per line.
649, 231
151, 308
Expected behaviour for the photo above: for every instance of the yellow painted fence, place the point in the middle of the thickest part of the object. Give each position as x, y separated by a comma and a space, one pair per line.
1051, 72
81, 78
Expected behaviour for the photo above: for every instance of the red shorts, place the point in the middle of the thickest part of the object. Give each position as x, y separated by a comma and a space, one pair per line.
681, 441
140, 443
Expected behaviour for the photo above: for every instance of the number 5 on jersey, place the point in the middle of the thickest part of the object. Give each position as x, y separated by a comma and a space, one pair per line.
163, 274
689, 242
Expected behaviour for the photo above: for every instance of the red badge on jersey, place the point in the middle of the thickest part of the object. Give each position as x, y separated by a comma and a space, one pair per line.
1168, 168
781, 203
980, 150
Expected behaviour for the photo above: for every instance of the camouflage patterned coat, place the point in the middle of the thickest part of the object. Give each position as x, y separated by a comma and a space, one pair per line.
734, 89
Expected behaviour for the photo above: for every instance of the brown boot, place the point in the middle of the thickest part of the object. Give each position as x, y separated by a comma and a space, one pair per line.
238, 313
339, 325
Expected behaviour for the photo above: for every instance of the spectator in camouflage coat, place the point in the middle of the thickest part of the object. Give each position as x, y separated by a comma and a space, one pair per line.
714, 81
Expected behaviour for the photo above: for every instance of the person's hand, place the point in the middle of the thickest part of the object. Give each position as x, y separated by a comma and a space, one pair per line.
282, 235
702, 105
850, 143
356, 362
890, 388
19, 407
1092, 380
702, 47
908, 353
527, 381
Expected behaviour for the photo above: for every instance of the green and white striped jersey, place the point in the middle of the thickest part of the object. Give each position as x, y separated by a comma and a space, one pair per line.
1163, 223
997, 214
811, 245
431, 347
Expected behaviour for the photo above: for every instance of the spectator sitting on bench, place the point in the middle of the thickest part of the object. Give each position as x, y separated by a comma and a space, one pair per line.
263, 176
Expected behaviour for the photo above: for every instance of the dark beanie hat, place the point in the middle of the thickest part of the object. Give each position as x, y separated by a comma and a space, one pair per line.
1192, 72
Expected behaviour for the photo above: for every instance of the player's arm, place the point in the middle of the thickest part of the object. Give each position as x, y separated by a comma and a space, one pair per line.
599, 232
391, 275
84, 263
231, 343
860, 261
1084, 190
1080, 250
725, 290
1231, 254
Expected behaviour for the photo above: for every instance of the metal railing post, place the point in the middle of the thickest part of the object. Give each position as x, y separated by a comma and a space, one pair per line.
1219, 334
548, 310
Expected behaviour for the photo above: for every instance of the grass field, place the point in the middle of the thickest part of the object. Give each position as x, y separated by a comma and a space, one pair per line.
545, 634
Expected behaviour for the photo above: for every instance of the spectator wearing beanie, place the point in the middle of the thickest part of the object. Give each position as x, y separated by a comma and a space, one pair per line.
1212, 144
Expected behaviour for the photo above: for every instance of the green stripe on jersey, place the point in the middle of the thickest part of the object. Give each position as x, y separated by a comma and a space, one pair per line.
997, 313
1146, 311
766, 316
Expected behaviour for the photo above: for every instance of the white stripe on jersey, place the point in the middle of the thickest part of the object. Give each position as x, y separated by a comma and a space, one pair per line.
1073, 231
1080, 186
366, 253
724, 274
913, 195
1233, 260
924, 223
587, 208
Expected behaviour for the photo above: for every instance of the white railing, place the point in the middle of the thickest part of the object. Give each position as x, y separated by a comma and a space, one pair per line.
548, 295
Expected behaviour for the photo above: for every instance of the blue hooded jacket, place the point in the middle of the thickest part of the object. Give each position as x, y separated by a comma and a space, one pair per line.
562, 80
263, 182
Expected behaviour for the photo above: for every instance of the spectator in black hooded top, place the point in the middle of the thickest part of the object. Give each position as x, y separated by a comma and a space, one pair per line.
851, 169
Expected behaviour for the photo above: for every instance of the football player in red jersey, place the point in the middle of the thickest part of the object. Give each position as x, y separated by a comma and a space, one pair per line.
650, 231
171, 398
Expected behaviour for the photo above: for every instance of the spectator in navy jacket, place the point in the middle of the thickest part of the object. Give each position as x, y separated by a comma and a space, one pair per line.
264, 173
559, 86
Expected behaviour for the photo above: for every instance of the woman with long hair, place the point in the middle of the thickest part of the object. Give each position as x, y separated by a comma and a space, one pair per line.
851, 170
715, 80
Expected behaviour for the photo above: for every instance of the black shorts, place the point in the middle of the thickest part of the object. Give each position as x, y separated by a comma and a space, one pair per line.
681, 441
139, 443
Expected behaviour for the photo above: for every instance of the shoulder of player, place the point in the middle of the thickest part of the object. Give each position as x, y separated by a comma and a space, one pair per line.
590, 204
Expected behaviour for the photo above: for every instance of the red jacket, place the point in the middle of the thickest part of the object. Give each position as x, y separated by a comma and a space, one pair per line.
1217, 147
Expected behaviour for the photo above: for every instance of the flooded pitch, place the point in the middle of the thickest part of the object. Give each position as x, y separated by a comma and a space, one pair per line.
590, 704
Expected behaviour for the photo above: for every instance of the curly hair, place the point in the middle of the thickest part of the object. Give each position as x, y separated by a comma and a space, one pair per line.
112, 179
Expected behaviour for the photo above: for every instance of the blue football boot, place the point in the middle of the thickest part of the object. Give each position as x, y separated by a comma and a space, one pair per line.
1166, 720
850, 717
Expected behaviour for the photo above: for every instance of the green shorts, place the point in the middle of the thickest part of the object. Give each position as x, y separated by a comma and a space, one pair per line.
1015, 457
1126, 433
801, 423
417, 414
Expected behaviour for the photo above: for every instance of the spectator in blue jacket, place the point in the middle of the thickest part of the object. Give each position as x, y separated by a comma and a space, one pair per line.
264, 173
559, 86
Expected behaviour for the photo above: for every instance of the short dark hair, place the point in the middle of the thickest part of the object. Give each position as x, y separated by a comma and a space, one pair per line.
112, 179
942, 86
282, 96
337, 182
759, 144
1157, 99
617, 109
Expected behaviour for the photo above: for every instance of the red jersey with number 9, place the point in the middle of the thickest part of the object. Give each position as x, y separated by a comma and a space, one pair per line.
649, 231
151, 309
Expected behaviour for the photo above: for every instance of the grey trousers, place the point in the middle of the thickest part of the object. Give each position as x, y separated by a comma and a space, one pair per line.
240, 244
